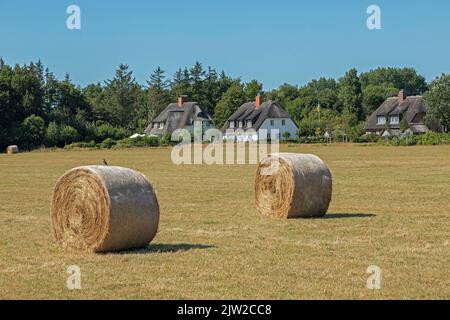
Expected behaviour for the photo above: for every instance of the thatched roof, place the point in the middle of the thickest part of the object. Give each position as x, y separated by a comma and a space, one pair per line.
175, 117
248, 111
409, 107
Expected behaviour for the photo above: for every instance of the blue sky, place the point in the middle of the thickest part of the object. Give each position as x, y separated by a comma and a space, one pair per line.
275, 42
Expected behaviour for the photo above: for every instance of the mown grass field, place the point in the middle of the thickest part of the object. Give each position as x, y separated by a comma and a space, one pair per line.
390, 208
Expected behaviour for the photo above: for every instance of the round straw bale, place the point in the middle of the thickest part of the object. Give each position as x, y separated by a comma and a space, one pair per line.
102, 209
12, 149
290, 185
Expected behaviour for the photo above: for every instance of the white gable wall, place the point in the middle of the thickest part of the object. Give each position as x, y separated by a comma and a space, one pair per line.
289, 126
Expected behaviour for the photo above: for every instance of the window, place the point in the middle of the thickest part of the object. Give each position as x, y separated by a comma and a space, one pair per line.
283, 122
161, 125
249, 123
155, 125
272, 122
395, 120
381, 120
231, 124
240, 124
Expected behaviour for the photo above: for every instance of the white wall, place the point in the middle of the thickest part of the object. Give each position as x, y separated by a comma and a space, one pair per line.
288, 127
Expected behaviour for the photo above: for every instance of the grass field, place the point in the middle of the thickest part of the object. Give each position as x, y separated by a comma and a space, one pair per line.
390, 208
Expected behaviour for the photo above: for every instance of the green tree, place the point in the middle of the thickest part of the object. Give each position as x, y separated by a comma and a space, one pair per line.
350, 94
212, 92
307, 102
346, 122
252, 89
375, 95
284, 94
52, 134
325, 92
153, 101
61, 135
121, 96
399, 78
158, 80
197, 75
68, 102
96, 97
180, 84
68, 135
438, 100
33, 131
230, 102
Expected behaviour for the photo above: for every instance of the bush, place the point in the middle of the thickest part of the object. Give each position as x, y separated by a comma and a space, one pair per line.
32, 131
83, 144
428, 139
61, 135
166, 139
370, 138
312, 140
52, 134
286, 136
121, 133
108, 143
137, 142
105, 131
433, 138
68, 134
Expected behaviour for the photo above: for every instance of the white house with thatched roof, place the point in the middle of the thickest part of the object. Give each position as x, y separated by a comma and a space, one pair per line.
251, 117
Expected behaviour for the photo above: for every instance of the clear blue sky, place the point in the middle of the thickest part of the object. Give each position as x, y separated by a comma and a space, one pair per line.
273, 41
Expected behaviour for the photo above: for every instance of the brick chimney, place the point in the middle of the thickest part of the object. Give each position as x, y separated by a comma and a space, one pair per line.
402, 95
181, 100
258, 101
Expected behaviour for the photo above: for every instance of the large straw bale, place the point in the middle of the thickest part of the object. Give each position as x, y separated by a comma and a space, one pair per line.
102, 208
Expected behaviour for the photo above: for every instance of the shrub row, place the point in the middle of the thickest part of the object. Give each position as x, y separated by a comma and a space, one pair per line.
110, 143
428, 139
431, 138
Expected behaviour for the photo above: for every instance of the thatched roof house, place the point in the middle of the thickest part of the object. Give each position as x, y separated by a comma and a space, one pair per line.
258, 115
389, 115
180, 115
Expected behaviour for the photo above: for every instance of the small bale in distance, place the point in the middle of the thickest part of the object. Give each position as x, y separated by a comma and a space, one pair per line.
13, 149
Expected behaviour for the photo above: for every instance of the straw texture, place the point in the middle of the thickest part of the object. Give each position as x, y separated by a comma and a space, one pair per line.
102, 209
12, 149
290, 185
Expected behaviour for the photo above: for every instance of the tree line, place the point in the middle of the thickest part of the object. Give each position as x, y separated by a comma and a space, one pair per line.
37, 109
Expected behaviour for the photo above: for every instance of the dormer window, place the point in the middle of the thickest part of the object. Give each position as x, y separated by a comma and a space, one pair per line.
231, 124
381, 120
394, 120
